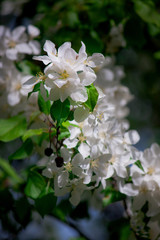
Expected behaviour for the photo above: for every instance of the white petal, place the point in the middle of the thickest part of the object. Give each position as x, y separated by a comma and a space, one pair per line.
87, 77
17, 32
65, 154
128, 189
24, 48
44, 59
74, 132
80, 95
77, 160
33, 31
49, 47
35, 46
96, 59
12, 53
121, 171
131, 137
70, 55
83, 48
63, 48
70, 143
59, 83
84, 149
47, 173
13, 98
63, 179
110, 171
31, 81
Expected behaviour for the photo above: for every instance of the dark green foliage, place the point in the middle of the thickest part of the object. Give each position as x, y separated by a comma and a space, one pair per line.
35, 89
92, 97
35, 185
22, 211
46, 201
111, 195
24, 151
44, 106
12, 128
60, 111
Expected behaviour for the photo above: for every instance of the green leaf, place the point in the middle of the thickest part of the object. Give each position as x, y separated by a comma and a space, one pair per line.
44, 106
157, 55
33, 132
138, 164
63, 209
33, 116
60, 110
12, 128
35, 89
35, 185
92, 97
46, 201
24, 151
22, 211
125, 232
64, 133
9, 170
6, 201
112, 195
147, 11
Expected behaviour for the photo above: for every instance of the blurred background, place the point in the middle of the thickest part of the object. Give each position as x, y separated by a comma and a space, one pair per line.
129, 30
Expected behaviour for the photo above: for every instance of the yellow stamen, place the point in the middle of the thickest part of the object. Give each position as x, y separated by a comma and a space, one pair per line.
41, 76
112, 160
94, 163
100, 116
68, 167
143, 189
64, 75
11, 44
81, 138
151, 170
18, 86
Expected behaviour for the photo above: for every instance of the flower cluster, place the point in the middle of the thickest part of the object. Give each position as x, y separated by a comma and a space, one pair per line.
17, 42
83, 105
145, 187
68, 72
99, 146
14, 44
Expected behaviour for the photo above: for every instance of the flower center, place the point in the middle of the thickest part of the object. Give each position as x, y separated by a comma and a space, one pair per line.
151, 170
64, 75
100, 116
102, 134
81, 138
94, 163
68, 167
112, 160
11, 44
41, 76
143, 189
18, 86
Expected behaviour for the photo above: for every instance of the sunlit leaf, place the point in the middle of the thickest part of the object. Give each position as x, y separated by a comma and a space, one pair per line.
35, 184
24, 151
9, 170
12, 128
